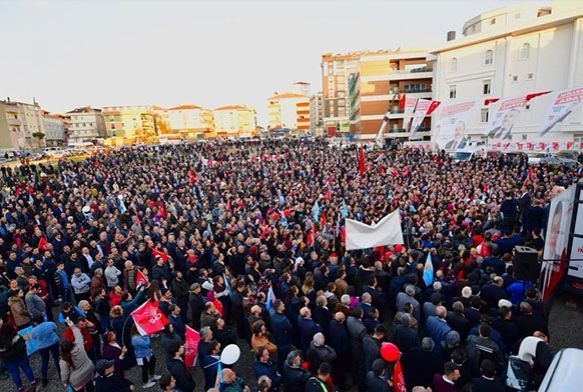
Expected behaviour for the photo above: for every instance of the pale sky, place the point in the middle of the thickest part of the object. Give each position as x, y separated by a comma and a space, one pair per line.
209, 53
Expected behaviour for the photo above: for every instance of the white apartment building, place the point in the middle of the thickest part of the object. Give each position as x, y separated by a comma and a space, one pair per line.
54, 129
512, 52
86, 124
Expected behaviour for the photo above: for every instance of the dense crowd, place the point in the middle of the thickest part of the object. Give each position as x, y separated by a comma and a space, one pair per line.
244, 242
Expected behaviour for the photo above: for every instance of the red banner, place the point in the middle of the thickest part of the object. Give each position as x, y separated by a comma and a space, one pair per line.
192, 338
141, 279
398, 378
361, 163
149, 318
162, 255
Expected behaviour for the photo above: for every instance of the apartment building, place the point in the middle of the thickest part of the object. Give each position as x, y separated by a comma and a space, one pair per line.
54, 125
130, 123
289, 110
380, 81
512, 52
317, 114
185, 122
235, 121
21, 125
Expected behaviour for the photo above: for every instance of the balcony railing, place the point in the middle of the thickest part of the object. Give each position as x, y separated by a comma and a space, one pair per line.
397, 111
414, 70
415, 90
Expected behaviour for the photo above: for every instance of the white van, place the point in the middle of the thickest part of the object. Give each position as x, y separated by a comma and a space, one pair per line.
565, 372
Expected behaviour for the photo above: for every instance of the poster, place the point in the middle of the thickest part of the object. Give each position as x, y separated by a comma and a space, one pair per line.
563, 103
423, 109
556, 241
502, 116
450, 131
410, 103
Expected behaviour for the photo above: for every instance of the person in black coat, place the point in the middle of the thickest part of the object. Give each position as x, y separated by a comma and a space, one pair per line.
195, 305
178, 370
371, 345
294, 376
493, 292
340, 342
319, 382
457, 320
506, 327
376, 378
405, 337
487, 382
108, 381
322, 315
421, 364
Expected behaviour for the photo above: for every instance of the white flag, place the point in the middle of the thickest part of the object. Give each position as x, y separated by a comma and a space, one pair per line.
386, 232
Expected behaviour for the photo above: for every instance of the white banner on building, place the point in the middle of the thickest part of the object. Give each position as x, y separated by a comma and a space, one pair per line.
502, 116
423, 108
450, 132
410, 103
563, 103
387, 231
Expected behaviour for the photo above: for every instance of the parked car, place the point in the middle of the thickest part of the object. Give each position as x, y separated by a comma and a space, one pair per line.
535, 157
558, 161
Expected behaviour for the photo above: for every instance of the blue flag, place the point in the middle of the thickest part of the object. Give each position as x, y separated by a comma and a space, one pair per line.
316, 211
344, 210
428, 270
270, 298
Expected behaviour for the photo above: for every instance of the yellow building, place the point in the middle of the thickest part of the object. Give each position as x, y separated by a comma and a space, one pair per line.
235, 121
289, 110
130, 123
185, 122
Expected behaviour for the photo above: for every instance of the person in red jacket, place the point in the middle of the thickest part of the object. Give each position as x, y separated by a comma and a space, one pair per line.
83, 326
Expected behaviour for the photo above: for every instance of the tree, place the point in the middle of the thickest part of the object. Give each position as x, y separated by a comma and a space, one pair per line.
38, 136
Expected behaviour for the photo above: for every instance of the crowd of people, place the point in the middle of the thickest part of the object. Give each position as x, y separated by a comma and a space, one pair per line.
244, 242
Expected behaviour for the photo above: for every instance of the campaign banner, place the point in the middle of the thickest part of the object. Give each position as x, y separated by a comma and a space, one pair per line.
423, 108
191, 340
149, 318
409, 109
502, 116
556, 241
450, 131
563, 103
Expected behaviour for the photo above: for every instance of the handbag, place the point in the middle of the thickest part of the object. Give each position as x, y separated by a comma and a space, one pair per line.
518, 374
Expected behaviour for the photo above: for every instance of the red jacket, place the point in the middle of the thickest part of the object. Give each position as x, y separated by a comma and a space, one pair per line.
87, 339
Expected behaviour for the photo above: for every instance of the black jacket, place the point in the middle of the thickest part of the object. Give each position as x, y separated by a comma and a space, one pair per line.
406, 339
480, 384
295, 378
112, 383
180, 372
376, 384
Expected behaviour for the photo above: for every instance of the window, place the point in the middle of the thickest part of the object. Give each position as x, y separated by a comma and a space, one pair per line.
486, 86
524, 52
489, 57
452, 92
515, 78
493, 21
524, 137
453, 65
530, 76
517, 15
484, 115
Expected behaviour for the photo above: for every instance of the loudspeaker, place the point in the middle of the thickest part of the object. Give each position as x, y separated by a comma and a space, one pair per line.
525, 263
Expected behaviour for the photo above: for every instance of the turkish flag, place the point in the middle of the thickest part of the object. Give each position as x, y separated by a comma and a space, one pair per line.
192, 338
361, 164
398, 378
149, 318
162, 255
219, 306
402, 101
42, 243
483, 250
141, 279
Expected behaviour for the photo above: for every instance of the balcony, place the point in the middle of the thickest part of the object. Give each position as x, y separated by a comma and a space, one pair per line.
416, 73
396, 113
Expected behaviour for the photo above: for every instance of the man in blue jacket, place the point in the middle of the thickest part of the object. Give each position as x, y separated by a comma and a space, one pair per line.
282, 331
437, 328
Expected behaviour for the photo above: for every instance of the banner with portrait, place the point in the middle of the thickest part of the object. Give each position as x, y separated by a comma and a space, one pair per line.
563, 103
502, 116
556, 240
450, 131
410, 103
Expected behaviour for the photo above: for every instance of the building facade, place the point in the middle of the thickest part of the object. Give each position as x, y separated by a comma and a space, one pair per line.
185, 122
317, 114
86, 124
23, 125
54, 125
235, 121
513, 52
381, 80
289, 110
131, 123
336, 69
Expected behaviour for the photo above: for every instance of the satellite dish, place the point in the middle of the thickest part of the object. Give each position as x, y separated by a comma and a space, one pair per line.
230, 354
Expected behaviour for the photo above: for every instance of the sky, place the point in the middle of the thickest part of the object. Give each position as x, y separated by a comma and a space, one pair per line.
73, 53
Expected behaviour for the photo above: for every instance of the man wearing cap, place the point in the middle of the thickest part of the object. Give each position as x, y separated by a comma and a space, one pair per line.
108, 381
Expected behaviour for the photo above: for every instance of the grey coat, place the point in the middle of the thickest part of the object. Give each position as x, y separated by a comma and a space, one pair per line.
82, 370
35, 305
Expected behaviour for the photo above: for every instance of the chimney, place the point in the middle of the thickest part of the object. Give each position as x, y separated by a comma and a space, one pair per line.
450, 35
